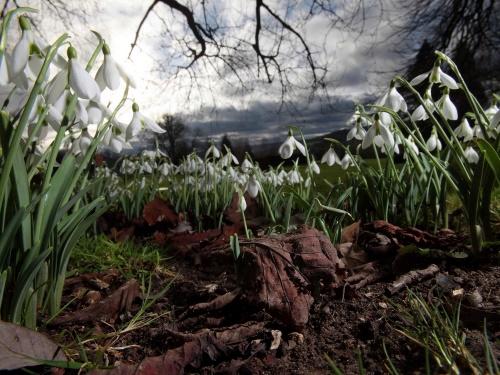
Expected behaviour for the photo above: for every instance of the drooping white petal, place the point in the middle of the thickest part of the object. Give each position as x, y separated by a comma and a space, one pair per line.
82, 82
419, 79
448, 108
111, 74
448, 81
56, 87
315, 167
286, 149
464, 130
471, 155
346, 161
81, 114
125, 76
387, 136
94, 113
20, 54
150, 124
134, 126
300, 147
369, 136
4, 70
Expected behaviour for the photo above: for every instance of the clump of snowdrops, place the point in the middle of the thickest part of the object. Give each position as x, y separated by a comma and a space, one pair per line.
458, 155
52, 121
203, 188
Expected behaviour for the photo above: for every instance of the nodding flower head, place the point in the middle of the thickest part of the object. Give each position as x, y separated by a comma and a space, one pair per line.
288, 147
436, 75
80, 80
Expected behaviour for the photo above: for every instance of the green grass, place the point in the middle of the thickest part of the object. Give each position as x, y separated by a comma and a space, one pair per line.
132, 260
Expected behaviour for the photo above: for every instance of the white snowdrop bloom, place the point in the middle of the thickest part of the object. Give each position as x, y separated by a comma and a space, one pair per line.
212, 151
447, 107
307, 182
491, 111
253, 186
108, 74
471, 155
95, 113
85, 141
379, 135
420, 114
56, 87
288, 147
315, 167
146, 167
385, 118
346, 161
81, 114
393, 100
356, 132
165, 169
246, 165
242, 203
464, 130
229, 159
477, 131
436, 75
139, 120
125, 76
330, 157
35, 63
56, 111
4, 70
80, 80
21, 52
433, 143
294, 177
410, 144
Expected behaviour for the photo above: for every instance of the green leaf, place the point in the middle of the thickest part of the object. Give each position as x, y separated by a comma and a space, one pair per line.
491, 155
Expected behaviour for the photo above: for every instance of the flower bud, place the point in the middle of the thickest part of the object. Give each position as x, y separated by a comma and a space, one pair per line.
105, 49
135, 107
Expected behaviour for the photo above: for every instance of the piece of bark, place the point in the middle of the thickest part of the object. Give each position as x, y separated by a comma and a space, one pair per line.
107, 309
412, 277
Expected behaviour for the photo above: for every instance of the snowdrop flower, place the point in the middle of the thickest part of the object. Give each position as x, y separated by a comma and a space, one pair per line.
410, 144
447, 107
464, 130
246, 165
346, 161
290, 144
307, 182
21, 51
471, 155
420, 114
4, 70
436, 75
229, 158
357, 131
433, 143
85, 141
393, 100
253, 186
315, 167
495, 121
108, 74
294, 177
139, 120
477, 131
378, 134
330, 157
94, 112
213, 150
243, 203
491, 111
80, 80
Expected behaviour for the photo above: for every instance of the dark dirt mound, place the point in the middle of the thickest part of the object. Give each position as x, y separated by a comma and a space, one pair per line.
285, 304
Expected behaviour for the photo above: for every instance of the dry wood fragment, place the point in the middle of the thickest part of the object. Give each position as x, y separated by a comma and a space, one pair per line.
412, 277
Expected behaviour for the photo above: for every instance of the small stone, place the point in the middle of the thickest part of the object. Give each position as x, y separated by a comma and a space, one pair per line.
276, 339
93, 296
297, 338
326, 310
383, 305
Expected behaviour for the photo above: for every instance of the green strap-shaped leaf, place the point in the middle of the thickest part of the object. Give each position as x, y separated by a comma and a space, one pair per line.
491, 155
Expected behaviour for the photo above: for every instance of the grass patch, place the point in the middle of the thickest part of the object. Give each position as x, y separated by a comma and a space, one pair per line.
132, 260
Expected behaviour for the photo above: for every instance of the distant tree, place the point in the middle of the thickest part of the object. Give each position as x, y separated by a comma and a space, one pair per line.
175, 130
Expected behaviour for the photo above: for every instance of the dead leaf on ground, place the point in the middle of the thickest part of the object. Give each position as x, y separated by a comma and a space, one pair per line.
107, 309
211, 344
21, 347
159, 211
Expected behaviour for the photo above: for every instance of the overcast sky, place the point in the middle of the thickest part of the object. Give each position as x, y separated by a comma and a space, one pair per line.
356, 67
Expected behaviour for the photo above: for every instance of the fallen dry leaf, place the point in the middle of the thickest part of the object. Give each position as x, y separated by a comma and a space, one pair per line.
21, 347
159, 211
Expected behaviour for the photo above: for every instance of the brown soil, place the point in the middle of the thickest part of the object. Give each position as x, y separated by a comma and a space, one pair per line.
213, 324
